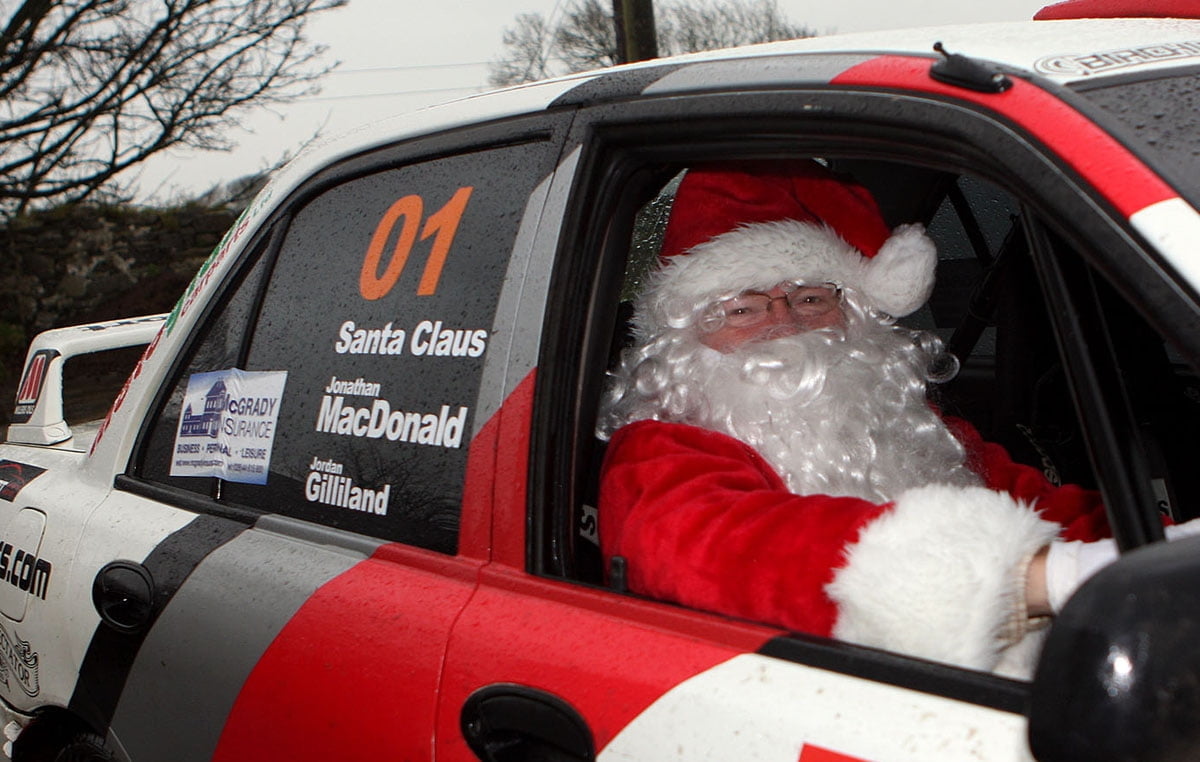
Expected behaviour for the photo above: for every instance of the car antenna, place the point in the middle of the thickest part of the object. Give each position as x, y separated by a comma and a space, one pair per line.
961, 71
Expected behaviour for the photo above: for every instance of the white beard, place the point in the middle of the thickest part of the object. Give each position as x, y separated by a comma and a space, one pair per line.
835, 412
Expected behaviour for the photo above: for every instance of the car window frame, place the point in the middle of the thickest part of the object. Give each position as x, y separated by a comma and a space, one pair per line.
623, 138
1102, 405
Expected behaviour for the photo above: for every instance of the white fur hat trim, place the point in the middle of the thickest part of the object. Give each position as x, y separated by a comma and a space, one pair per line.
897, 281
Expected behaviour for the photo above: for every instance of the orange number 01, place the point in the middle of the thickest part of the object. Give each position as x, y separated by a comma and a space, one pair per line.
442, 225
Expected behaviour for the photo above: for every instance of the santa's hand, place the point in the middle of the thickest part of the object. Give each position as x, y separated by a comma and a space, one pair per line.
1186, 529
1070, 564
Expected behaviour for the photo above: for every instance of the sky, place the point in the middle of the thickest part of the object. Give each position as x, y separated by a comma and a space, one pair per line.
395, 56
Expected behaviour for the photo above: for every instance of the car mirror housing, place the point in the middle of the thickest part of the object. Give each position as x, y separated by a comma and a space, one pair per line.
1119, 677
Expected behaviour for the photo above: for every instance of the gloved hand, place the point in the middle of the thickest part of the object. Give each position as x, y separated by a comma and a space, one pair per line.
1186, 529
1070, 564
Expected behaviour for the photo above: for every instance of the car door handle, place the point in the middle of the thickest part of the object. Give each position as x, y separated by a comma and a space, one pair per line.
123, 594
507, 722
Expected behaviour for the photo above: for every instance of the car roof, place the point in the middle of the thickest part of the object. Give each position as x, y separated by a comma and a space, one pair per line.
1064, 52
1056, 50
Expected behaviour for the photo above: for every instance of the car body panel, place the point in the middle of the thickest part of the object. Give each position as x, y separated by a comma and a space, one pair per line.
272, 636
323, 658
781, 702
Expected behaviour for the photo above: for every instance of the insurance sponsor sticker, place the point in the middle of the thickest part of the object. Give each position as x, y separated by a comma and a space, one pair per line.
228, 423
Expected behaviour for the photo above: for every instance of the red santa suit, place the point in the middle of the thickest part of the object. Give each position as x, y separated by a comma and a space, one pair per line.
701, 519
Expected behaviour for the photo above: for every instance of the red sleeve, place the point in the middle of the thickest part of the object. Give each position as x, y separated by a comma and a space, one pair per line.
1079, 511
701, 519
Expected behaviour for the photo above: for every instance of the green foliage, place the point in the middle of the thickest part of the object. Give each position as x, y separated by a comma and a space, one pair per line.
12, 345
82, 262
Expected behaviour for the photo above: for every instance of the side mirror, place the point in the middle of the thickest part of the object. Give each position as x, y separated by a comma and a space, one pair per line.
1119, 677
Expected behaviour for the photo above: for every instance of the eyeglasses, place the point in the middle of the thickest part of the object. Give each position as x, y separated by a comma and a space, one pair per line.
752, 307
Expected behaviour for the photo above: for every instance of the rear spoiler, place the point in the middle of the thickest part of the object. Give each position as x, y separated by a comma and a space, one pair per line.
38, 415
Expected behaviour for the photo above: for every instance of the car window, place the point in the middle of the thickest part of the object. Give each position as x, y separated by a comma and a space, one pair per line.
92, 381
350, 399
994, 312
1164, 394
1121, 363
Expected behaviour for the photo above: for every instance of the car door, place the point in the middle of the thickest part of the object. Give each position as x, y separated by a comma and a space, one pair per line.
278, 570
552, 657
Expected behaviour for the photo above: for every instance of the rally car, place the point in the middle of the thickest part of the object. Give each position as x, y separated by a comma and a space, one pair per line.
344, 506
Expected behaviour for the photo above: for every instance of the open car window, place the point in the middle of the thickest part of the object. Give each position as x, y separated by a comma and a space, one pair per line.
998, 313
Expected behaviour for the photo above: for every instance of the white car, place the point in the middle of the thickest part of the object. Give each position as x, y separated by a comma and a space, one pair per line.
343, 508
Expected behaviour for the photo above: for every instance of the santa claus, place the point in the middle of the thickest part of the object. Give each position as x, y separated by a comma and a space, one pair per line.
773, 454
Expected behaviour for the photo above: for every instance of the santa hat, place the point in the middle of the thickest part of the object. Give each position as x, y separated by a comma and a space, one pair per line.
742, 226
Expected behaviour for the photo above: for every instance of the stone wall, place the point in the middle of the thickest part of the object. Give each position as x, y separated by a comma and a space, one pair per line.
83, 263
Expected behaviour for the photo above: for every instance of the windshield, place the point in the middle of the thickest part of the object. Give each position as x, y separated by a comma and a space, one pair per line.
1159, 120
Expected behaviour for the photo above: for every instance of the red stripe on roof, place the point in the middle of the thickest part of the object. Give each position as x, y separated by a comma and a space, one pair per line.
1115, 172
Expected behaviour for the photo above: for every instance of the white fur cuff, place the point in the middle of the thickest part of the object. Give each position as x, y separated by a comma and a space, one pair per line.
937, 576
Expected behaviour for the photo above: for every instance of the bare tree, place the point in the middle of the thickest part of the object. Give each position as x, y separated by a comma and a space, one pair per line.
686, 27
89, 88
584, 39
526, 43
